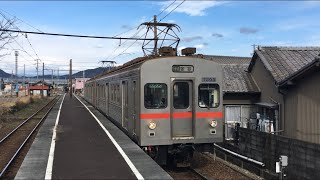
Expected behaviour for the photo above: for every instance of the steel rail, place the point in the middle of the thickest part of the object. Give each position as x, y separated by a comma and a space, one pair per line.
30, 134
204, 177
8, 135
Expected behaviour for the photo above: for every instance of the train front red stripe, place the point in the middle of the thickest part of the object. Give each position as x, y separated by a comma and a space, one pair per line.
179, 115
182, 115
155, 116
209, 115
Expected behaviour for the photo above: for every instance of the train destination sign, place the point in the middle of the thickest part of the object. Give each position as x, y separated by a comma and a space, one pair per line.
182, 68
208, 79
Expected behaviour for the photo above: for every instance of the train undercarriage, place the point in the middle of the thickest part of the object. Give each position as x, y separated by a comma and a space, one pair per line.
177, 155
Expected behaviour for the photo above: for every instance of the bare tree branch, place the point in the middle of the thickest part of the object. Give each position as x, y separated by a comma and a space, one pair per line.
6, 37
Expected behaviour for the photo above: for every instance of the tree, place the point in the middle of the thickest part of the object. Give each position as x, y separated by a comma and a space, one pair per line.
6, 37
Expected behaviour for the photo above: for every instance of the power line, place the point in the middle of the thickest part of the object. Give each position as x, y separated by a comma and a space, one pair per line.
127, 48
80, 36
166, 8
122, 44
172, 10
21, 20
31, 46
4, 16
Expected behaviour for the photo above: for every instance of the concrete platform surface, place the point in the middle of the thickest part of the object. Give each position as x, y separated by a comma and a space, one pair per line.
85, 148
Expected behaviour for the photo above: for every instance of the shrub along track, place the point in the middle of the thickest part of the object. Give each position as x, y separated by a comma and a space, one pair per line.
16, 144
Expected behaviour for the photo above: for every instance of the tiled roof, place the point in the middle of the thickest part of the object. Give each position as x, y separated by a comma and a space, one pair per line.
235, 77
283, 62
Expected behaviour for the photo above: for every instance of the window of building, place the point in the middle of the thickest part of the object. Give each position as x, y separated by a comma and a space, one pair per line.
209, 95
155, 96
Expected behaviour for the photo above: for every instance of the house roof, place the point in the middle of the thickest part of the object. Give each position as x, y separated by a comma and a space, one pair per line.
235, 77
284, 62
38, 87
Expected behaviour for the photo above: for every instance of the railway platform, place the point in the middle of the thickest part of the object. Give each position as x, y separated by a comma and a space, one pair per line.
78, 142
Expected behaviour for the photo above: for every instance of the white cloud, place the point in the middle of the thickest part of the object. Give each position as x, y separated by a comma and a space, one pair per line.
302, 22
200, 46
192, 8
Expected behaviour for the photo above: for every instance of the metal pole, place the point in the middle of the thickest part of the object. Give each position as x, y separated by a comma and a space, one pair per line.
70, 78
37, 67
155, 35
58, 75
24, 72
42, 80
11, 82
16, 53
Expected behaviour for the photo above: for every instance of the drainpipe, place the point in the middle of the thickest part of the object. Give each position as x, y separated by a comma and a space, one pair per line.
277, 129
284, 102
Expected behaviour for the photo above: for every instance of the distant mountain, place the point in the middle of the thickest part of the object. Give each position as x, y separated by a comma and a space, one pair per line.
4, 74
88, 73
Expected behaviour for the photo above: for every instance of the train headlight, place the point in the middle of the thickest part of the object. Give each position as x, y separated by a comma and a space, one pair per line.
213, 123
152, 125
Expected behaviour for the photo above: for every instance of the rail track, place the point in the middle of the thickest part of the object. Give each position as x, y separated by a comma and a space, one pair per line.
12, 144
185, 173
198, 173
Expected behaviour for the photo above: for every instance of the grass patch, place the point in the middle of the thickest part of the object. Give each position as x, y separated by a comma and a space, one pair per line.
14, 107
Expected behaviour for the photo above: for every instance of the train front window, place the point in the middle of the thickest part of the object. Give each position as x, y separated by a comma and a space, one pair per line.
181, 95
209, 95
155, 96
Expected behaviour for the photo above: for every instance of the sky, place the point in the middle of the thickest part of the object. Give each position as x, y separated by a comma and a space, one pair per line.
228, 28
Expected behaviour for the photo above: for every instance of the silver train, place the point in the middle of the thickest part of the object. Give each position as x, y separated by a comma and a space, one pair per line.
169, 106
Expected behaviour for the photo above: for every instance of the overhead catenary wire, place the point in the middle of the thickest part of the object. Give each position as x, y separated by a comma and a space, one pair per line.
122, 44
127, 48
21, 20
172, 10
166, 8
4, 16
136, 33
80, 36
136, 27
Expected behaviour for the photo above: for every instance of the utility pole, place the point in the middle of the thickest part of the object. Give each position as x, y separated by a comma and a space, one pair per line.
37, 67
11, 82
83, 73
24, 72
16, 53
42, 80
70, 78
24, 84
155, 35
52, 77
58, 75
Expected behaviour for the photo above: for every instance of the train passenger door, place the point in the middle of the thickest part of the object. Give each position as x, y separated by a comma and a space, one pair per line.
125, 104
181, 108
134, 106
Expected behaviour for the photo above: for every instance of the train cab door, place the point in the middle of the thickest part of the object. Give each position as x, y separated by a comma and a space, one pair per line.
125, 104
181, 108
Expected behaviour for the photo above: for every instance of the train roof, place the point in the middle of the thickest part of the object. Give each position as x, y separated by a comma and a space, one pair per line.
135, 62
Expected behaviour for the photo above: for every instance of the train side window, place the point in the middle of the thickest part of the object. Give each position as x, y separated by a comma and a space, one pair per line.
155, 96
209, 95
